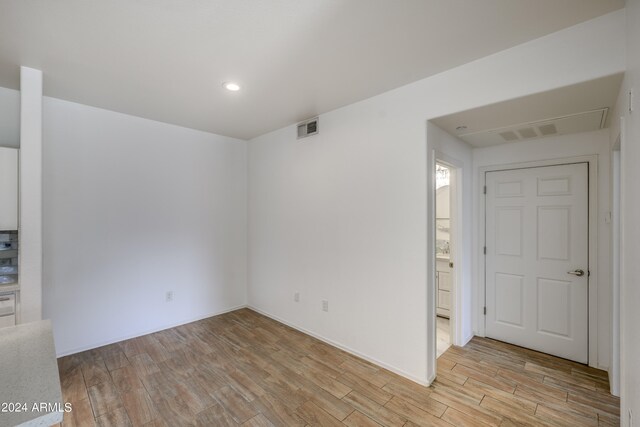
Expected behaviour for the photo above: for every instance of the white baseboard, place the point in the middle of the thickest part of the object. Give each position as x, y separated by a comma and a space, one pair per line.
276, 318
147, 332
466, 340
345, 348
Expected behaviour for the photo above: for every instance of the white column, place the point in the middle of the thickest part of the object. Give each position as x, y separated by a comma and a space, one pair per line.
30, 251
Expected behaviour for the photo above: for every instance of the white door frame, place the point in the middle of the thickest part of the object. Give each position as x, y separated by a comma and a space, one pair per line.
592, 160
456, 257
614, 370
617, 370
455, 204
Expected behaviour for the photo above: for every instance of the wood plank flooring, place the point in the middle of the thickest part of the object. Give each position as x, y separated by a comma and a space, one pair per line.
242, 368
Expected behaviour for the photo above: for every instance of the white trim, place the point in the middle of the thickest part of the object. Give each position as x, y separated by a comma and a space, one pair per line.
592, 160
614, 366
458, 236
623, 278
342, 347
150, 331
466, 339
430, 301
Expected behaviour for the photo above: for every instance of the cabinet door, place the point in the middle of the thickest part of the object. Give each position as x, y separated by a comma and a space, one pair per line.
7, 303
8, 188
444, 283
9, 320
444, 300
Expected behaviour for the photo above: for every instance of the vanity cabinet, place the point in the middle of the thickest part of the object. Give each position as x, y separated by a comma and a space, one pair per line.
8, 189
443, 287
7, 309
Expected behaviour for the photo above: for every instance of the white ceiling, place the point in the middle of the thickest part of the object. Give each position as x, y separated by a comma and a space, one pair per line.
483, 125
166, 59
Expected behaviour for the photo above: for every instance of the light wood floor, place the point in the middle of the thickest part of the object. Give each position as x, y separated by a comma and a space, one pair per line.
244, 369
443, 338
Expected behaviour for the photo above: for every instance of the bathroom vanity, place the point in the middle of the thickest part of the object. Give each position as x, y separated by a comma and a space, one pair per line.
9, 283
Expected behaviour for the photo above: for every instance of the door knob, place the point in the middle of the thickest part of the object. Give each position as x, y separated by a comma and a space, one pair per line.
578, 273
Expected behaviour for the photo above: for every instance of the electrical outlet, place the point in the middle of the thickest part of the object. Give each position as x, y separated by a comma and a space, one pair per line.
296, 297
325, 305
169, 296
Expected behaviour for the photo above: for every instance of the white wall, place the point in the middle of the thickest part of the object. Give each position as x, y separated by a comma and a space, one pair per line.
9, 118
583, 144
630, 212
445, 147
134, 208
30, 200
342, 216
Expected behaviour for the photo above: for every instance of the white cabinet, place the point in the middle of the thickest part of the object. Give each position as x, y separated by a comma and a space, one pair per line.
8, 320
7, 309
8, 188
443, 287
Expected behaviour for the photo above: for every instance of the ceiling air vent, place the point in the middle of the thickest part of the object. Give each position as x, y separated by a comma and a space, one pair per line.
549, 129
308, 128
585, 121
509, 136
527, 133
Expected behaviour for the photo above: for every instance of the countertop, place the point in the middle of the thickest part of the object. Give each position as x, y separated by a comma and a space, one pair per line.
29, 375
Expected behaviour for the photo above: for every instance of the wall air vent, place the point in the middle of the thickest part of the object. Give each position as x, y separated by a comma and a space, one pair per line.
308, 128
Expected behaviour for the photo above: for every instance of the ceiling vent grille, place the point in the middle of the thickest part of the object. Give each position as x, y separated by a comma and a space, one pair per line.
526, 133
572, 123
549, 129
308, 128
509, 136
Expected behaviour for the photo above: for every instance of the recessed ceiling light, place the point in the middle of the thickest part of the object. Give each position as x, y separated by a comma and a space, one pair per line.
233, 87
461, 128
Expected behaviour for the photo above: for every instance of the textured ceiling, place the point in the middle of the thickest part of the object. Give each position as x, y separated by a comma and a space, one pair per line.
166, 59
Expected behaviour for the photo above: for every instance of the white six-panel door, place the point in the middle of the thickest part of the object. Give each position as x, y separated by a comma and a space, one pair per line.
536, 244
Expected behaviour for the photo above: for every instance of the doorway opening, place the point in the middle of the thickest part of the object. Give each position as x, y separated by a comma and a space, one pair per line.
444, 255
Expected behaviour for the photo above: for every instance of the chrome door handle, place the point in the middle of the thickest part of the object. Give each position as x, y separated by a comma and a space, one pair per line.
578, 273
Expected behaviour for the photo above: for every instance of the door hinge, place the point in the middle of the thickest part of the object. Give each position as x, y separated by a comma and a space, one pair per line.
485, 250
485, 190
485, 311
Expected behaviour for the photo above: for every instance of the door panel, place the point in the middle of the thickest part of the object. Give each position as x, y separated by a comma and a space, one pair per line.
509, 300
536, 233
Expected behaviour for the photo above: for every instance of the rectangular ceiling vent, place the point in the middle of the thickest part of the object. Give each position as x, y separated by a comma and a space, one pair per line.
549, 129
526, 133
509, 136
586, 121
308, 128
